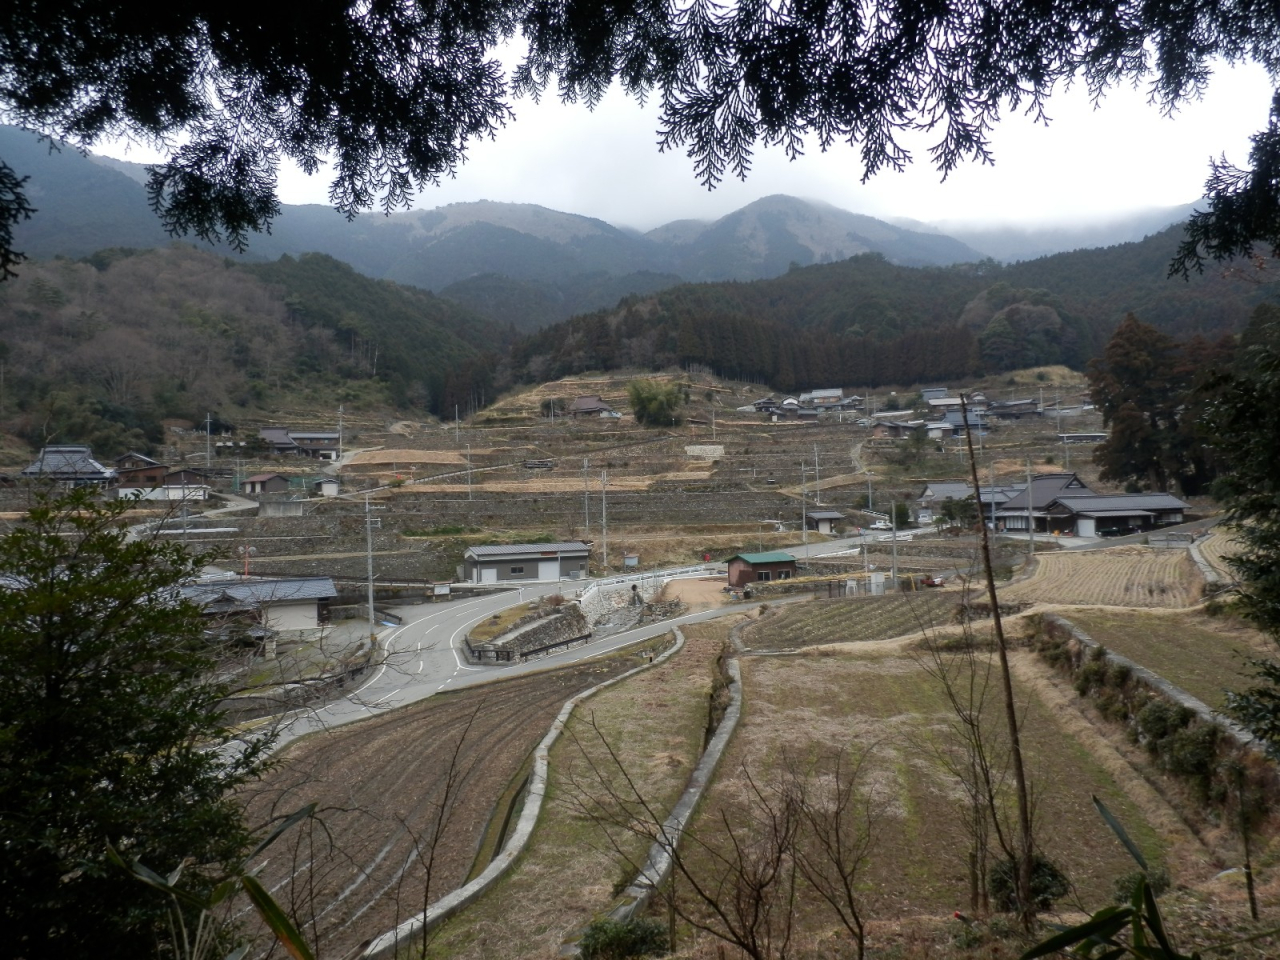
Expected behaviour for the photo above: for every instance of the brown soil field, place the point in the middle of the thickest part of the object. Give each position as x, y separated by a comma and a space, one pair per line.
539, 484
1122, 577
799, 708
410, 457
705, 593
654, 723
851, 620
1203, 655
380, 785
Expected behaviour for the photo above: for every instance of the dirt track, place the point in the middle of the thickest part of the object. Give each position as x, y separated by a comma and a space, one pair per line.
381, 785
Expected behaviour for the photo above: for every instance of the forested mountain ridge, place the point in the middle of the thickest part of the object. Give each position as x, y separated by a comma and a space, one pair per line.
99, 351
865, 321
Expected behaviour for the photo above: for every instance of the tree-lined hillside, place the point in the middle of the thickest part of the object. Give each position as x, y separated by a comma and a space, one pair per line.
101, 350
866, 321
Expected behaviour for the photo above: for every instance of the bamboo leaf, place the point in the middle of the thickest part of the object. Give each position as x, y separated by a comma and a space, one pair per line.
277, 920
1102, 925
293, 818
1154, 920
1119, 831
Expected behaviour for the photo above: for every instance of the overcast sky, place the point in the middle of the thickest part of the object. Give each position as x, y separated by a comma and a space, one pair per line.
1087, 166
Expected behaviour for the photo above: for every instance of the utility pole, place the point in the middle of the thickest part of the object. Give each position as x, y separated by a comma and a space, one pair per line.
604, 516
804, 506
208, 440
713, 415
817, 479
586, 500
468, 471
456, 426
893, 519
340, 406
1031, 520
369, 524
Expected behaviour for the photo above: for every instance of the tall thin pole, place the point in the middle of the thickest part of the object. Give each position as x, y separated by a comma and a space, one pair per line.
1010, 708
340, 431
368, 541
817, 479
604, 515
586, 500
893, 515
468, 471
456, 425
804, 508
208, 440
1031, 520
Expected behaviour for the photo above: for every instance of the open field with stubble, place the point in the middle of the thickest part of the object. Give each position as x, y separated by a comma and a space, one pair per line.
568, 874
1203, 655
881, 699
1121, 577
850, 620
380, 786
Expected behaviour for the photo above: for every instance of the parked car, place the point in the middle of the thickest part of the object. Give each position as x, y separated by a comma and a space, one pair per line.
882, 525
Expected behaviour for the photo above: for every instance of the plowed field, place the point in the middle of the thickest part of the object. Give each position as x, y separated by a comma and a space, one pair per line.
1216, 548
851, 620
380, 786
1123, 577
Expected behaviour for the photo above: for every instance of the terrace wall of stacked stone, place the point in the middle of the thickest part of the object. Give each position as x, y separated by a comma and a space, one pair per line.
538, 633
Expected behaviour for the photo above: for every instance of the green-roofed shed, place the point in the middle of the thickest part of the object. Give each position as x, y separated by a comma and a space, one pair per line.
747, 568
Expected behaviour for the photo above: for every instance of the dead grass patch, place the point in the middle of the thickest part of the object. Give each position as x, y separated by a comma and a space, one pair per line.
1123, 576
569, 872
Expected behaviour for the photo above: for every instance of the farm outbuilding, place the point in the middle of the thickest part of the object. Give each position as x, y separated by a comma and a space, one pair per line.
526, 561
748, 568
278, 603
824, 521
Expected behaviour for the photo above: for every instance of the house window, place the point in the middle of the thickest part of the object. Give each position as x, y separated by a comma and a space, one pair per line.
517, 569
762, 575
784, 574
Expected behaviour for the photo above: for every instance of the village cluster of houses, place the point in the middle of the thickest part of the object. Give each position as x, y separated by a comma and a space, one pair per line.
1057, 504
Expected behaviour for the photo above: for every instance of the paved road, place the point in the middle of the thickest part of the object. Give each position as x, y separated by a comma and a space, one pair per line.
423, 657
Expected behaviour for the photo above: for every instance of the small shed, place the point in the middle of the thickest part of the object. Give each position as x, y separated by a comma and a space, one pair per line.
592, 406
266, 483
823, 521
747, 568
526, 561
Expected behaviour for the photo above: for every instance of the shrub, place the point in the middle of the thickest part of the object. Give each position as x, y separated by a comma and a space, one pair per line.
620, 940
1158, 881
1048, 884
1092, 674
1159, 720
1192, 752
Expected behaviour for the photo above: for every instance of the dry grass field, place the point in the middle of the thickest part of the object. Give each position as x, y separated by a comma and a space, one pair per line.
1201, 654
1216, 548
1120, 577
850, 620
883, 701
655, 722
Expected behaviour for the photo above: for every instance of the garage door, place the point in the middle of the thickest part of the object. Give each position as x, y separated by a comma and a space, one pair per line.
549, 569
488, 574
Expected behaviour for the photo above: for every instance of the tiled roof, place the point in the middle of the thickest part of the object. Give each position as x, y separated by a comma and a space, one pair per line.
68, 463
257, 592
1046, 488
527, 549
1091, 504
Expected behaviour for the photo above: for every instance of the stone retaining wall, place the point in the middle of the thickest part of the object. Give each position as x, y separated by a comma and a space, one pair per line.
556, 629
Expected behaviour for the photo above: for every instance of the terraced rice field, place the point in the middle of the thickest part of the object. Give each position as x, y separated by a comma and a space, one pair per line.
1216, 548
878, 699
1203, 655
1122, 577
850, 620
